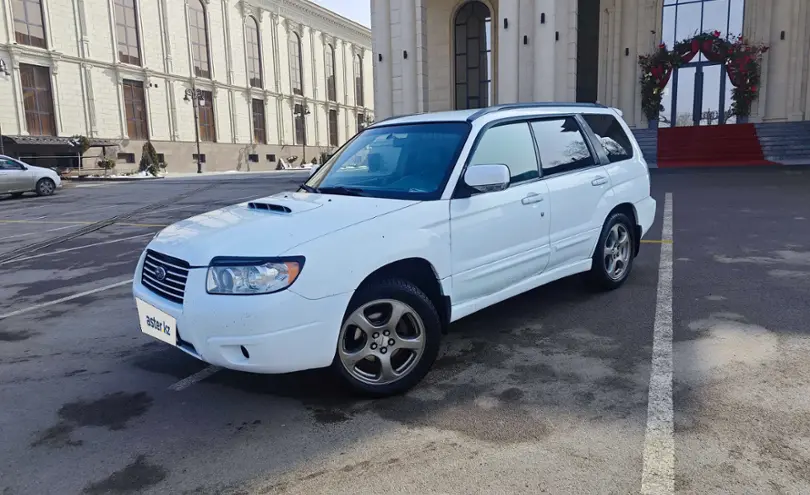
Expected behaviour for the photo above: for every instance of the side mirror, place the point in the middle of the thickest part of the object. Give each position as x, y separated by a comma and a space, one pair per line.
487, 178
313, 169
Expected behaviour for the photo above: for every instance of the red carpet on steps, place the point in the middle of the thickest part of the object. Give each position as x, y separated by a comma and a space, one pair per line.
730, 145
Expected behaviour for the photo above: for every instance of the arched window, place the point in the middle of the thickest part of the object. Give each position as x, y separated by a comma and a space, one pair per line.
254, 52
359, 98
329, 61
198, 33
296, 64
472, 40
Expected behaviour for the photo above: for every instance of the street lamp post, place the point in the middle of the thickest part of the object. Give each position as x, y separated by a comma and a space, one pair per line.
196, 97
303, 114
5, 72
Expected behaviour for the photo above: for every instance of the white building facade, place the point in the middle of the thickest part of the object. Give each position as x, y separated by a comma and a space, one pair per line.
432, 55
273, 78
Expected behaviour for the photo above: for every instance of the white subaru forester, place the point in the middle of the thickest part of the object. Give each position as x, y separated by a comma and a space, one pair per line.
414, 223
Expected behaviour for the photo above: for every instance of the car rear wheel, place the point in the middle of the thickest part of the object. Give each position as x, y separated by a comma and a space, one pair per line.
613, 257
389, 339
45, 187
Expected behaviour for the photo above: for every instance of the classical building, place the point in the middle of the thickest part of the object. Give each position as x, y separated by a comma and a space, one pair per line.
269, 79
434, 55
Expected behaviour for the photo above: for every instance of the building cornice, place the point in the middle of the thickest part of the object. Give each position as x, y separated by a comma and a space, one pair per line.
313, 15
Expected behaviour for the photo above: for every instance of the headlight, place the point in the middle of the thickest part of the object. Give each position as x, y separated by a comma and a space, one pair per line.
244, 276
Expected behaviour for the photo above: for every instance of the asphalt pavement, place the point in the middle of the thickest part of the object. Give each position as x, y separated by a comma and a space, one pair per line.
549, 392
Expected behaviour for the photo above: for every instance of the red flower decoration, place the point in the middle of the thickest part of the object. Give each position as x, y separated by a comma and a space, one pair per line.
716, 34
753, 88
662, 46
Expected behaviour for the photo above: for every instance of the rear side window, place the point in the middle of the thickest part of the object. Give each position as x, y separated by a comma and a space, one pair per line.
562, 145
611, 135
511, 145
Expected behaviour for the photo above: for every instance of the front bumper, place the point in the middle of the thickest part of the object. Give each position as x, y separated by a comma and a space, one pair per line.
645, 212
282, 332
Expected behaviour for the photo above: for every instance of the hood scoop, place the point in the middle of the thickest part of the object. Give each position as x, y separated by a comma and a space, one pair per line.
275, 208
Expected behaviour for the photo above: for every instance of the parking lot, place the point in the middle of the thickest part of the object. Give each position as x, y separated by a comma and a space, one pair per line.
545, 393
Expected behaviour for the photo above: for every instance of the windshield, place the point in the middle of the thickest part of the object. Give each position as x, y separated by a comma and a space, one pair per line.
410, 161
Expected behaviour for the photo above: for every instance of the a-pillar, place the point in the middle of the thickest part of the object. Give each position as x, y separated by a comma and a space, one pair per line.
410, 81
383, 76
508, 45
544, 50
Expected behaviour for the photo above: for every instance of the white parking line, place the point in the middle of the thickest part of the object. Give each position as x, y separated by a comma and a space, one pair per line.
65, 299
60, 251
658, 475
196, 377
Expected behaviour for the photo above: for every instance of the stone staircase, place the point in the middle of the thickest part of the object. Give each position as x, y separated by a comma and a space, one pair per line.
787, 143
648, 141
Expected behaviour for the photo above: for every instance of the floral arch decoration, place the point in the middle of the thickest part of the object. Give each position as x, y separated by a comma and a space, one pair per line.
742, 59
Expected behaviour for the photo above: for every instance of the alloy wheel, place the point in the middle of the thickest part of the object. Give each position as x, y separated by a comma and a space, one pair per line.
381, 341
617, 251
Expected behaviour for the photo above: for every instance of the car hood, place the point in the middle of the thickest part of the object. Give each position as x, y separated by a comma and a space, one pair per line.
268, 226
42, 171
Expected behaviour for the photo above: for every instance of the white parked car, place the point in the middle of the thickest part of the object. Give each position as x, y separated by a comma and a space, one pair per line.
414, 223
18, 178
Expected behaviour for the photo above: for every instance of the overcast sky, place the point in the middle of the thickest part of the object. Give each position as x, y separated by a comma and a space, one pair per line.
356, 10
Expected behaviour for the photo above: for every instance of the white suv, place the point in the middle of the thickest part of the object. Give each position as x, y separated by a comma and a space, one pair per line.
414, 223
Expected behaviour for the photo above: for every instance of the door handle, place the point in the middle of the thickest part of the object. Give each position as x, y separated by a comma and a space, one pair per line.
531, 199
599, 181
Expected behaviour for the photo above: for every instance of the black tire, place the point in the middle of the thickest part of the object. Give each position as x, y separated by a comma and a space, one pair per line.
599, 277
408, 293
45, 187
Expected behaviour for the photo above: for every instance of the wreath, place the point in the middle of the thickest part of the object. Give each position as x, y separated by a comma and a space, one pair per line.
743, 61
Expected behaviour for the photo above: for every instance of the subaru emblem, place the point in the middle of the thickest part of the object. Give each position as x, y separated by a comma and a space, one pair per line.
160, 274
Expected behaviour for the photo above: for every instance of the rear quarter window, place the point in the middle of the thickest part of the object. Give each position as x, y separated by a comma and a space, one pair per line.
610, 134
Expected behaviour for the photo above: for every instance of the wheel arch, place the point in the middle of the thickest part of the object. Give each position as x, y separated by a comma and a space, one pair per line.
421, 273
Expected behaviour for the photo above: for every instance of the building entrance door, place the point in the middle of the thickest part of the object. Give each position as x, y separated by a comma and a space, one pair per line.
700, 95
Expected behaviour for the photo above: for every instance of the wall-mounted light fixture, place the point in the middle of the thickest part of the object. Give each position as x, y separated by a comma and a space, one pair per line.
543, 18
505, 23
405, 54
525, 40
379, 57
626, 52
556, 35
782, 35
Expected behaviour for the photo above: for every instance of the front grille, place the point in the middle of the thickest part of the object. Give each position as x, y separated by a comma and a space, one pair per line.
173, 286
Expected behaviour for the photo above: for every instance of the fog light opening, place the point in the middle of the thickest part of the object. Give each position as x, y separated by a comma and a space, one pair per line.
244, 352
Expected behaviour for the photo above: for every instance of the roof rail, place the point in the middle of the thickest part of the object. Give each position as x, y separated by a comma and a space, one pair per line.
394, 117
536, 104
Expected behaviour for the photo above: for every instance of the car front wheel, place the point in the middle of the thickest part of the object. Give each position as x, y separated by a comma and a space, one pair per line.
45, 187
389, 339
613, 257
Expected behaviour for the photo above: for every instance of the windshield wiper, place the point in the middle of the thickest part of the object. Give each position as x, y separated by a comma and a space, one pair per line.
309, 189
343, 190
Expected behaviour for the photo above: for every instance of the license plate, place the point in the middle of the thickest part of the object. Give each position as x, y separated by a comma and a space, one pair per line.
156, 323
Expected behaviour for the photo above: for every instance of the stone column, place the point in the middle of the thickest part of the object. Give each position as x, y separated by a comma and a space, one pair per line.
19, 104
410, 81
798, 58
381, 43
544, 50
628, 54
507, 46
